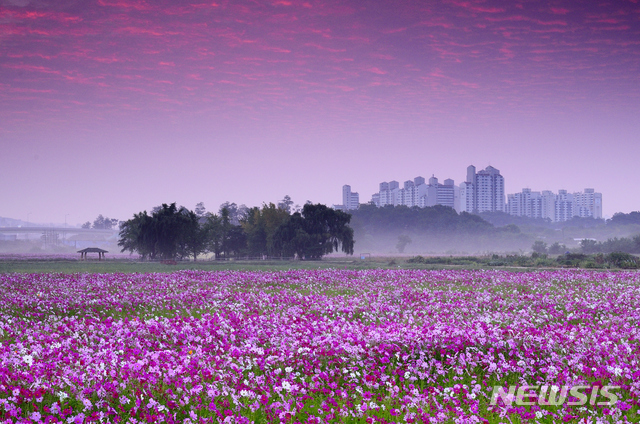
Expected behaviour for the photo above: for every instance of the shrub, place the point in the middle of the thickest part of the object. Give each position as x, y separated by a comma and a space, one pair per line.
622, 260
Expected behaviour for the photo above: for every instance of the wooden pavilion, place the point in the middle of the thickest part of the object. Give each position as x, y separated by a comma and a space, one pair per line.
100, 252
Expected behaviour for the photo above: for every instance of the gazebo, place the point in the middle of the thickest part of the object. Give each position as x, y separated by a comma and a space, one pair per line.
100, 252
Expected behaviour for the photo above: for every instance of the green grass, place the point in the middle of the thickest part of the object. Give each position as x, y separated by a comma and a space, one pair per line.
117, 266
113, 266
353, 263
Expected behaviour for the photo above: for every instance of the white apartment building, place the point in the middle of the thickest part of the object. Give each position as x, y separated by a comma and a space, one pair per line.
483, 191
489, 191
556, 207
465, 200
589, 201
417, 193
350, 199
564, 206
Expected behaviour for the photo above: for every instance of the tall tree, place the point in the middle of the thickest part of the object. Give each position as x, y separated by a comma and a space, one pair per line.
260, 226
235, 213
285, 204
103, 223
200, 210
212, 230
137, 235
167, 233
192, 237
315, 232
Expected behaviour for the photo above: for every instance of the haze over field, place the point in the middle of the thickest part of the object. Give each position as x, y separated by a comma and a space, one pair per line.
115, 106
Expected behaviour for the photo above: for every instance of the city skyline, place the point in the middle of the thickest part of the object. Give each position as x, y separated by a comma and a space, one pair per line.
115, 106
483, 191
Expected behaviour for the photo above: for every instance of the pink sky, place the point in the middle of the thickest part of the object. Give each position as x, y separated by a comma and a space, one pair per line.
115, 106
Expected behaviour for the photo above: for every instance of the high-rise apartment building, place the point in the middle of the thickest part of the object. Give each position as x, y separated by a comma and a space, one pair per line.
466, 197
417, 193
441, 194
350, 199
489, 191
589, 203
556, 207
564, 206
483, 191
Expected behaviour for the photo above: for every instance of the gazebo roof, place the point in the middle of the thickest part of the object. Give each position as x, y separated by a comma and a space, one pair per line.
93, 250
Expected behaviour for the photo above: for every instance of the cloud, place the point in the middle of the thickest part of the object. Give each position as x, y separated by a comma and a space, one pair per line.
203, 56
377, 71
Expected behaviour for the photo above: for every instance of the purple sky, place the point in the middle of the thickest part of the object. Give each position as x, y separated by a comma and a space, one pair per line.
115, 106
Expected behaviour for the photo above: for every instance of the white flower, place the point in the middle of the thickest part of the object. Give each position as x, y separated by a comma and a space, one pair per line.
286, 385
288, 369
28, 359
407, 374
538, 414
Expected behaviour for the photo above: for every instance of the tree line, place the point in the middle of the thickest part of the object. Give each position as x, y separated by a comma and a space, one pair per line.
590, 246
431, 229
615, 244
101, 223
170, 232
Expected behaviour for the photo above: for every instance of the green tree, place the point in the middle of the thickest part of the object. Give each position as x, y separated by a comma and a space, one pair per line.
315, 232
200, 210
403, 240
285, 204
169, 232
260, 226
557, 248
192, 239
236, 241
589, 246
225, 227
222, 236
136, 235
539, 247
103, 223
212, 233
636, 244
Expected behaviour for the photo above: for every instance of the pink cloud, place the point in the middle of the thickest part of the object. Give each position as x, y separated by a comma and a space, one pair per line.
328, 49
382, 56
125, 4
137, 31
394, 31
378, 71
106, 59
474, 7
612, 28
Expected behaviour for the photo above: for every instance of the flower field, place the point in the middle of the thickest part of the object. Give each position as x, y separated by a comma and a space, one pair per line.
315, 346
